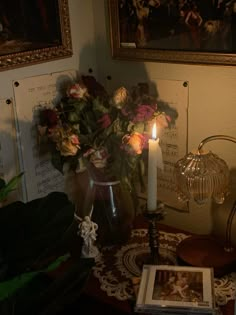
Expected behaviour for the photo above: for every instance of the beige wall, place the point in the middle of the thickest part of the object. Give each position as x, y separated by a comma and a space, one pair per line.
212, 106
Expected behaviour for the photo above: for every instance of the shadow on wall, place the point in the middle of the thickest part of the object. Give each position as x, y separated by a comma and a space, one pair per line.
119, 76
220, 213
113, 73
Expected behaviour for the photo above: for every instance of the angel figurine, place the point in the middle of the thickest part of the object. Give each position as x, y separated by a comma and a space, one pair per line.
88, 231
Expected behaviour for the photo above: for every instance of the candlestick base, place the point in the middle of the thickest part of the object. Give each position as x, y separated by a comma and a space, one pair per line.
153, 217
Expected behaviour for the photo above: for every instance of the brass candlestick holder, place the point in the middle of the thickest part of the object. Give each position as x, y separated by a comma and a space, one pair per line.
153, 218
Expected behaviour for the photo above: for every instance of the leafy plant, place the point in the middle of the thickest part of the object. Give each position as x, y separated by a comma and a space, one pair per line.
7, 188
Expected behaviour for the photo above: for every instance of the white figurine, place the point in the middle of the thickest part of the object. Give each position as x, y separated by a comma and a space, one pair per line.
88, 231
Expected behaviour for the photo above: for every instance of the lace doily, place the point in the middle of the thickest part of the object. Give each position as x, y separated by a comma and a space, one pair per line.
117, 266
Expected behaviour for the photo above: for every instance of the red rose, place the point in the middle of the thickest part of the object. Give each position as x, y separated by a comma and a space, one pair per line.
104, 121
49, 117
143, 113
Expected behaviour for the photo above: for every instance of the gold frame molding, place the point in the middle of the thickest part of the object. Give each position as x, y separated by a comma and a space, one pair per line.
155, 55
35, 56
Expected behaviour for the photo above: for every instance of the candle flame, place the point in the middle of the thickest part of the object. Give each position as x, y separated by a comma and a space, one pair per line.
154, 131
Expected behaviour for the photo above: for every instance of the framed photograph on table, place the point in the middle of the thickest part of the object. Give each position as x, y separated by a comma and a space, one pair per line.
33, 32
174, 31
166, 289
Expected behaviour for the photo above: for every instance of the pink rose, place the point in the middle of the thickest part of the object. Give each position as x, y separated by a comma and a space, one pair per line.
77, 91
74, 139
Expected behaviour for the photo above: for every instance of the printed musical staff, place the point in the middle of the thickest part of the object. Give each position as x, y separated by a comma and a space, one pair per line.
173, 141
32, 93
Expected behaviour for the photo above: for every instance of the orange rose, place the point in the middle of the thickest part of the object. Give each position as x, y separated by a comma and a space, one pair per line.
133, 143
67, 147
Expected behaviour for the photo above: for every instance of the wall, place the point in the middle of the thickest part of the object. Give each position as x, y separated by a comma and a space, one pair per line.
212, 110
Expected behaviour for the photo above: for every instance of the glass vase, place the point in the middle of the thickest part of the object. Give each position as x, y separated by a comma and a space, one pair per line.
108, 204
113, 211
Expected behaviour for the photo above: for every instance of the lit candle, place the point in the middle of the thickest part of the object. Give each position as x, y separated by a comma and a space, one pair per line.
154, 154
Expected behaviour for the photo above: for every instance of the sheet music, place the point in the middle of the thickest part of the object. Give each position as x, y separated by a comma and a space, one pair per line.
173, 141
8, 147
31, 93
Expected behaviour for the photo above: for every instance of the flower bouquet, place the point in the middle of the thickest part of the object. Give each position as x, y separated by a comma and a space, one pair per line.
107, 135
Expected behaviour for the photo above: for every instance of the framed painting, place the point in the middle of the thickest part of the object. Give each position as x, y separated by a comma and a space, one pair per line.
174, 31
33, 32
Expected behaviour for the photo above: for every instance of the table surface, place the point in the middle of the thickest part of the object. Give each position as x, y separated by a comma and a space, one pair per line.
99, 299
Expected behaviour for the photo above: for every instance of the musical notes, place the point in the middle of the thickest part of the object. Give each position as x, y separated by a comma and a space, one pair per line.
50, 183
170, 133
32, 94
170, 151
173, 141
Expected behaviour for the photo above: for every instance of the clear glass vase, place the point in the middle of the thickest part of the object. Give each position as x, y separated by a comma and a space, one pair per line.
113, 211
107, 203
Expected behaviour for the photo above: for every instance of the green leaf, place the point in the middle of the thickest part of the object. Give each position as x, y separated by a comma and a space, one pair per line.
10, 186
139, 127
79, 106
74, 117
99, 107
2, 183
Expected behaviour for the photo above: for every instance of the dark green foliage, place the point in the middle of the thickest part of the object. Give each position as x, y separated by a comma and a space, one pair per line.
32, 236
7, 188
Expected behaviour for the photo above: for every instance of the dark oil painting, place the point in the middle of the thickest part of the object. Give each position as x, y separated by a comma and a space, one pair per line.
28, 26
188, 26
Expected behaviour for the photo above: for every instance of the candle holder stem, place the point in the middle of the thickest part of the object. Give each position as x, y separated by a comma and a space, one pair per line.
153, 217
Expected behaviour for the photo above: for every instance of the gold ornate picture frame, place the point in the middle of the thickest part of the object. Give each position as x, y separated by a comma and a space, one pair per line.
163, 41
34, 33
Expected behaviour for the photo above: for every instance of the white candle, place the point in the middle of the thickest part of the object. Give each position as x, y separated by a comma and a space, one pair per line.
154, 148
